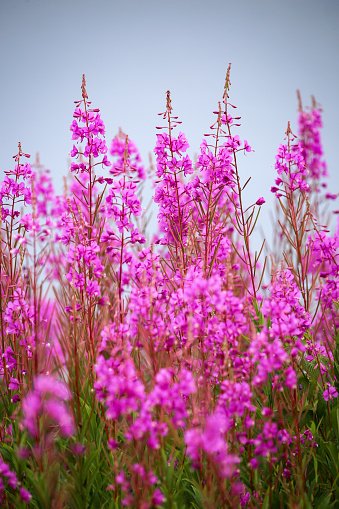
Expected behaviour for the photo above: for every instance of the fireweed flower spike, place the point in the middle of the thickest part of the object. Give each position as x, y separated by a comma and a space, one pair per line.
123, 206
171, 192
83, 225
45, 406
309, 125
18, 315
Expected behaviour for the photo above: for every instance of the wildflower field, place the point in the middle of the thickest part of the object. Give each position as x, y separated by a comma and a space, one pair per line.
179, 368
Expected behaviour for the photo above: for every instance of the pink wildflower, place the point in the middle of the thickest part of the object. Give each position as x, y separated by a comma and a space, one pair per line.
330, 393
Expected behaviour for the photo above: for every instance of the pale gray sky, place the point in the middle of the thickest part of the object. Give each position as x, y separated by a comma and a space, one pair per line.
132, 51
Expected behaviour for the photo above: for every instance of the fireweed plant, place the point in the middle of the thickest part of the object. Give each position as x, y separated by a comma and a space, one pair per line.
165, 373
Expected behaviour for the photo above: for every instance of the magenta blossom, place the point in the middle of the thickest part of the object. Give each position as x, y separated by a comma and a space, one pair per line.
330, 393
48, 399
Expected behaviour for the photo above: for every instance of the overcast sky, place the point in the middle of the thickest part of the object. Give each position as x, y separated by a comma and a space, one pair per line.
132, 51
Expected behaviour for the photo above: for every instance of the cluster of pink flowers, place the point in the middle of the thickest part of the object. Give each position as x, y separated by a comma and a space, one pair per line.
13, 191
291, 168
45, 406
9, 478
176, 341
309, 125
121, 389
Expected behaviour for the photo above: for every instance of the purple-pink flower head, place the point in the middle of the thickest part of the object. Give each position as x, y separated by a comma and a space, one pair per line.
158, 497
47, 400
330, 393
25, 495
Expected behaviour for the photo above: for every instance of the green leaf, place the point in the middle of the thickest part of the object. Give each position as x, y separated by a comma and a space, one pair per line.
265, 504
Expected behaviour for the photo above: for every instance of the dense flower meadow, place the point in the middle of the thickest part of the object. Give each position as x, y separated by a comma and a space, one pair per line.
178, 369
